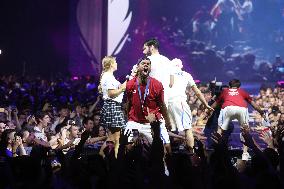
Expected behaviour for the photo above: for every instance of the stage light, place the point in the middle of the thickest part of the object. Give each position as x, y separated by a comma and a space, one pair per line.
0, 51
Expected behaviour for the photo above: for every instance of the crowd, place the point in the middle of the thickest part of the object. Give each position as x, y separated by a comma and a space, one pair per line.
51, 137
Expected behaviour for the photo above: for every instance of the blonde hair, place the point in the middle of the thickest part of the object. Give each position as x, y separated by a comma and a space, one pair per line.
106, 65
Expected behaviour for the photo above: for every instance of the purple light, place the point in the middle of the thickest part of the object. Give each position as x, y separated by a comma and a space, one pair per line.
197, 81
280, 82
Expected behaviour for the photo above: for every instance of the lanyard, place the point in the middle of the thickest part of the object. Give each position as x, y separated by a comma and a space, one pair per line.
142, 101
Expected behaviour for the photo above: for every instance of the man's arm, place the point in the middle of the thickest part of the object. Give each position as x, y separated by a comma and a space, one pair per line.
92, 108
164, 112
113, 93
128, 99
257, 108
163, 107
249, 99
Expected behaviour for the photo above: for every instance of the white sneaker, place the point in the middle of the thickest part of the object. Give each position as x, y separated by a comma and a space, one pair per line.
246, 156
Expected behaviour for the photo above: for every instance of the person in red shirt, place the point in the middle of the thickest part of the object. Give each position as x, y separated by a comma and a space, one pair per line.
144, 94
234, 105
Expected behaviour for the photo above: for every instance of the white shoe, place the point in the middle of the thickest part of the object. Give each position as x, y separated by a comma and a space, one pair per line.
246, 156
167, 173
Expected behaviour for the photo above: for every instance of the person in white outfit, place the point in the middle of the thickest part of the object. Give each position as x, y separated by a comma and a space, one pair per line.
161, 67
179, 110
112, 116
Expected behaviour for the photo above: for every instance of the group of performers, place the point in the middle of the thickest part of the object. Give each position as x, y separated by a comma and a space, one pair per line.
157, 86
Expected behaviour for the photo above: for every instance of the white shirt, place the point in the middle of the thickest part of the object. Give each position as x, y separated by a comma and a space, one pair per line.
161, 69
40, 134
108, 81
182, 80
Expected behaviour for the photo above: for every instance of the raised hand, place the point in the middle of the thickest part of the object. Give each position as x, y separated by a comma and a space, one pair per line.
200, 137
15, 111
18, 142
248, 140
216, 137
267, 138
207, 114
124, 135
99, 97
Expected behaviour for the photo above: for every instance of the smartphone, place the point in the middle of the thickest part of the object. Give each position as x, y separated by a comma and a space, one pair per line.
2, 110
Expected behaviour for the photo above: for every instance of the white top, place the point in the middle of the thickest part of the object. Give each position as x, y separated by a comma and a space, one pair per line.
40, 134
161, 69
182, 79
108, 81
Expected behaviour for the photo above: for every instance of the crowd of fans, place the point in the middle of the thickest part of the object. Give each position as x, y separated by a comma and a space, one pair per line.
51, 136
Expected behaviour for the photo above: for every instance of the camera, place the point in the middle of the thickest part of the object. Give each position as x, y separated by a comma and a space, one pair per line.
215, 88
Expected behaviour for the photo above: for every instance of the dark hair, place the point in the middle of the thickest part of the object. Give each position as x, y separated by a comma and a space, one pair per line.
235, 83
143, 58
272, 156
86, 119
40, 115
96, 114
153, 42
59, 127
73, 126
62, 106
4, 141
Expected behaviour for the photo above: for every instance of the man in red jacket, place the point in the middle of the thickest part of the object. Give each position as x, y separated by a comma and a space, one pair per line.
144, 94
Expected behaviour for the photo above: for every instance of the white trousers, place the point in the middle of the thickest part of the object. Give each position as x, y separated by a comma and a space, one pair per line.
145, 129
179, 114
233, 112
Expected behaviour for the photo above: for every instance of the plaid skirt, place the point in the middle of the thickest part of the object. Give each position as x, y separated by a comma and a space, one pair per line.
112, 114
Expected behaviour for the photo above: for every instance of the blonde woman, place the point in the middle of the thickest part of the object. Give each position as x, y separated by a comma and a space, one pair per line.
112, 116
